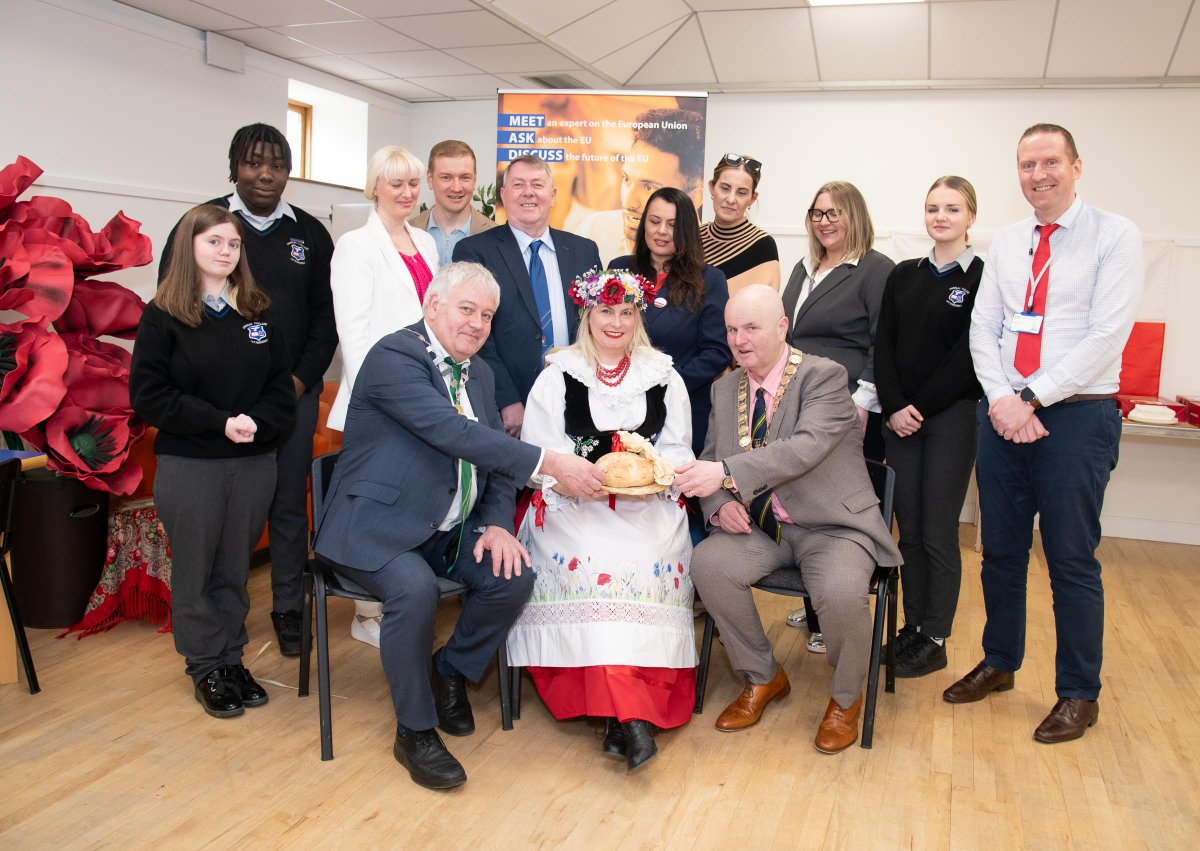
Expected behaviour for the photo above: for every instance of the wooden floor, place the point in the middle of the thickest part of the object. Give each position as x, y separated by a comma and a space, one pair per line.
116, 753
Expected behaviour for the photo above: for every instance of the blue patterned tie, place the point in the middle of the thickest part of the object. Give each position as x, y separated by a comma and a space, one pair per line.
761, 510
541, 294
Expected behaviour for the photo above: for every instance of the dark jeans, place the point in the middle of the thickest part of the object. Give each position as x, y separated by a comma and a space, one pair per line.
288, 518
933, 471
1062, 479
408, 587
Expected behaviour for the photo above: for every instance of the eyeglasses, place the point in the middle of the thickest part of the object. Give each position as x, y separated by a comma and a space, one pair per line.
816, 215
752, 165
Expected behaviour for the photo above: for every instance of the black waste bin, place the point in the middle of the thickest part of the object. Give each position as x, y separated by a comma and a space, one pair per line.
59, 536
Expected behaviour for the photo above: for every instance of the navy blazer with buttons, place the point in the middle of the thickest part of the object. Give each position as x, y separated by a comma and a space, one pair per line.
514, 348
396, 475
695, 341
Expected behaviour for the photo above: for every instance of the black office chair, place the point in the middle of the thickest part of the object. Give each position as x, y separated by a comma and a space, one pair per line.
321, 582
884, 581
9, 470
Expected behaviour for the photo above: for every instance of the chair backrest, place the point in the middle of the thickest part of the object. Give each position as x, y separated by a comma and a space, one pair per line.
322, 475
9, 471
883, 479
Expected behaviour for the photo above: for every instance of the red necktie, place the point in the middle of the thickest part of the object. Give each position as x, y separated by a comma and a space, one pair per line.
1029, 346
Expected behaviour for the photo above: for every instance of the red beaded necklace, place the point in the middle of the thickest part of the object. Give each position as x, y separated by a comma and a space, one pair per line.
615, 375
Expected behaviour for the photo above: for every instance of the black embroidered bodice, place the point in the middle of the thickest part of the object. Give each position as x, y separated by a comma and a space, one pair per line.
590, 442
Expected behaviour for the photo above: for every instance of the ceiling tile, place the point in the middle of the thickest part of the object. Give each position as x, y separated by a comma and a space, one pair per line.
352, 37
872, 42
734, 6
620, 23
192, 14
782, 40
683, 60
278, 13
1018, 34
586, 78
624, 63
414, 63
401, 89
514, 58
544, 17
342, 67
272, 42
391, 8
459, 29
1187, 55
466, 85
1114, 38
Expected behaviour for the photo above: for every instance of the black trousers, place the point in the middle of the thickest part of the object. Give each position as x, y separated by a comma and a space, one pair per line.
933, 471
213, 511
408, 587
288, 515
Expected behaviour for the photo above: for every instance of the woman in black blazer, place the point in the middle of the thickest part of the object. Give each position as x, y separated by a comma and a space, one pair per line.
832, 302
687, 319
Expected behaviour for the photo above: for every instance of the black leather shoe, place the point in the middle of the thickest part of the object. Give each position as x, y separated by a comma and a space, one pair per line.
239, 679
218, 696
904, 639
922, 656
287, 632
639, 744
450, 699
614, 739
428, 762
1068, 720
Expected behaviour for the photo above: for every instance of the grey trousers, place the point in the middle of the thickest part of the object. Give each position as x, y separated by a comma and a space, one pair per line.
289, 507
213, 511
837, 573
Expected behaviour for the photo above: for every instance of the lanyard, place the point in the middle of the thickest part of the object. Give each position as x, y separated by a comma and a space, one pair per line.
1034, 281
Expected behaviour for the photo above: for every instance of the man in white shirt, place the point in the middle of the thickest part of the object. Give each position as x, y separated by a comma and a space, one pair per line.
451, 219
1059, 295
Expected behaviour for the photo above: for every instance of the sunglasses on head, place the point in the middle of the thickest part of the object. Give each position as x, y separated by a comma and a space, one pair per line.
752, 165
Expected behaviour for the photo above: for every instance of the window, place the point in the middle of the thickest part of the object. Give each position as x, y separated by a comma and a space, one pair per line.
299, 136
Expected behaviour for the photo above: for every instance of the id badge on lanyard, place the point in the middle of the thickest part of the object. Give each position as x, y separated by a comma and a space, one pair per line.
1029, 321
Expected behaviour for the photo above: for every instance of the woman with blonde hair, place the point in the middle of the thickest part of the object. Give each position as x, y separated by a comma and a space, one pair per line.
608, 631
213, 375
379, 275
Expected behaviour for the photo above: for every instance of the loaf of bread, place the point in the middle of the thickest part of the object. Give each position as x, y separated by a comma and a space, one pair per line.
626, 470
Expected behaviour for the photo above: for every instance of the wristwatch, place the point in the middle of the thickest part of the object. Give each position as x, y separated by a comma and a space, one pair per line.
727, 483
1030, 398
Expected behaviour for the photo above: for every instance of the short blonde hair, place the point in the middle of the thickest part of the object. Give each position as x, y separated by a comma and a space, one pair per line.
586, 346
391, 163
852, 208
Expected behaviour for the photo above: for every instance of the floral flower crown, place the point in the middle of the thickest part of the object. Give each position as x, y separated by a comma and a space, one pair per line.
612, 286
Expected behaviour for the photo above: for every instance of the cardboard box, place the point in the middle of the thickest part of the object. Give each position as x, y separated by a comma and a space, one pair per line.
1191, 409
1126, 403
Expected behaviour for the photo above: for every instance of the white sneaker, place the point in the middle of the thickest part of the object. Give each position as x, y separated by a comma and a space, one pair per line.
366, 630
797, 617
816, 643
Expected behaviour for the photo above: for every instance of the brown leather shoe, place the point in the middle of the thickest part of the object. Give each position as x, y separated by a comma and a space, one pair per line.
978, 684
1069, 719
839, 727
748, 708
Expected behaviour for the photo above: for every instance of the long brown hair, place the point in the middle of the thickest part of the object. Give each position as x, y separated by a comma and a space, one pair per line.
179, 290
685, 270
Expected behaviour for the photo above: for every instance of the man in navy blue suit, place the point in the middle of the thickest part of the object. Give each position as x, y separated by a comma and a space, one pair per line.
424, 487
535, 266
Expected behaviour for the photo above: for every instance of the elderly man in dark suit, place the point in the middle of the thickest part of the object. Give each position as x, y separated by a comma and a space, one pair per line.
424, 488
535, 266
783, 482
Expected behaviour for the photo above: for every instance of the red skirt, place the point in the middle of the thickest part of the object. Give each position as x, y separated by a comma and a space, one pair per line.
663, 696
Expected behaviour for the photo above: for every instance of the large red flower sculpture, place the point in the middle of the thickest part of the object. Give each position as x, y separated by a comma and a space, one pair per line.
65, 391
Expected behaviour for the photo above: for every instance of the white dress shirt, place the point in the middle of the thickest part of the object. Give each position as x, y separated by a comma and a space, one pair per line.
455, 515
237, 205
554, 283
1095, 285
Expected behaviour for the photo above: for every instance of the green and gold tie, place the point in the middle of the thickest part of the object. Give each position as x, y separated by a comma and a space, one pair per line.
464, 468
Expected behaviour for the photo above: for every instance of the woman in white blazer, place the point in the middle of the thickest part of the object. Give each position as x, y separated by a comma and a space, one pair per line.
379, 275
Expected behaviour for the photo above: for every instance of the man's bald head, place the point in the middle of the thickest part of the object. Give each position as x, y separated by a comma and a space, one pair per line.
756, 328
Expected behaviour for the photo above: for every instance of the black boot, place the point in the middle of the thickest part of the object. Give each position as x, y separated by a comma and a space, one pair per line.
922, 656
639, 744
427, 760
614, 739
450, 699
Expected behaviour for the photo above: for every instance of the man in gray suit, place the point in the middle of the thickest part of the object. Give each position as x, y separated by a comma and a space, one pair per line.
423, 488
782, 480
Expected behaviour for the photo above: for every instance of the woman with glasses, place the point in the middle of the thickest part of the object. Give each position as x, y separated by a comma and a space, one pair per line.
832, 302
744, 253
928, 392
687, 318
